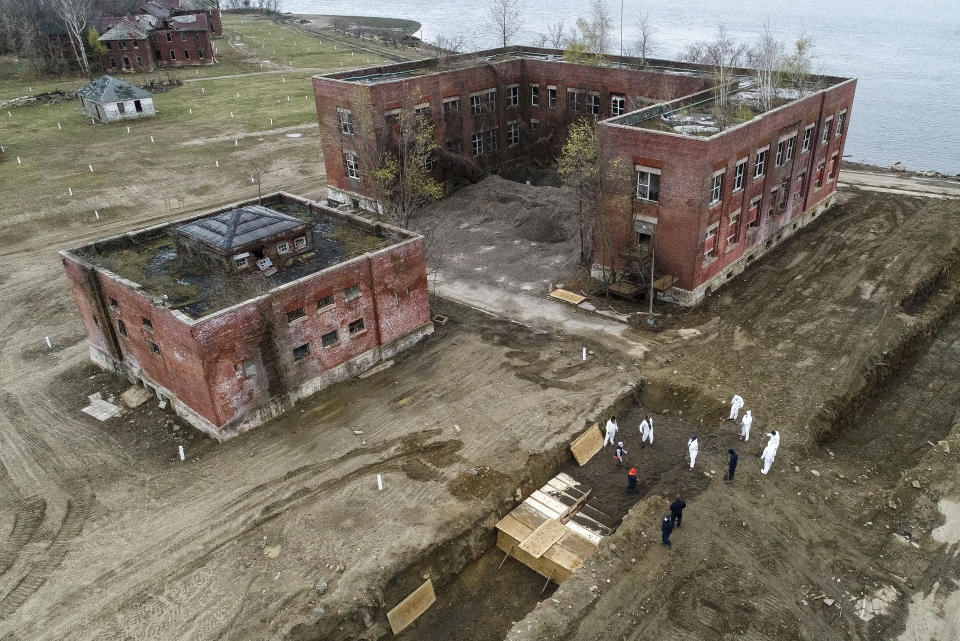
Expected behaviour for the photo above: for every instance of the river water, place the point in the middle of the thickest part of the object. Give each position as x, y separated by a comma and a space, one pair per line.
905, 54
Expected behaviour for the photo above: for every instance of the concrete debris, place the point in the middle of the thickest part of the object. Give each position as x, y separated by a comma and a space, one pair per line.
321, 587
916, 484
944, 446
828, 602
162, 405
135, 396
815, 473
358, 432
892, 504
102, 410
456, 428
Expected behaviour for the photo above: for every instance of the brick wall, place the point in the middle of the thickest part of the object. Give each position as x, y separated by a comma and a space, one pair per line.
195, 43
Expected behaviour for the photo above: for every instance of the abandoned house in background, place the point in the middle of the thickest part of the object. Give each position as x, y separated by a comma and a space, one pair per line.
110, 99
234, 314
704, 188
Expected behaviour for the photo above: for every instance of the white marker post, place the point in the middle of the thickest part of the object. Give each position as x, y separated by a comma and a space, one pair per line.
128, 129
70, 190
183, 457
91, 168
151, 139
59, 127
202, 90
18, 160
271, 122
218, 163
379, 483
584, 353
238, 95
235, 142
97, 214
49, 346
191, 111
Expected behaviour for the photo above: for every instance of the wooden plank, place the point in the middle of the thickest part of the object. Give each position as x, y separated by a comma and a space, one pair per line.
587, 444
568, 297
553, 504
543, 509
584, 532
528, 515
541, 539
513, 528
577, 545
412, 607
665, 282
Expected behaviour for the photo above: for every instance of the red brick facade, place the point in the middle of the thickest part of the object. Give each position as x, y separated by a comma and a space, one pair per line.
235, 368
525, 81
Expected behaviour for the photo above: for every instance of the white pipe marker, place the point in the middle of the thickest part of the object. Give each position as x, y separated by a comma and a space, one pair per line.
379, 482
48, 342
584, 353
182, 455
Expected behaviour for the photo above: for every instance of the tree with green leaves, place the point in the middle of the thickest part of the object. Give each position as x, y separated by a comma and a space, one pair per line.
579, 168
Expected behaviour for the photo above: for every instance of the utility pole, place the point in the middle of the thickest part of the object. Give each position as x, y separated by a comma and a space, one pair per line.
621, 33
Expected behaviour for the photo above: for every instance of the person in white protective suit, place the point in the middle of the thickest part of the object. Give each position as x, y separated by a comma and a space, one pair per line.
693, 446
735, 404
646, 431
612, 429
770, 451
745, 424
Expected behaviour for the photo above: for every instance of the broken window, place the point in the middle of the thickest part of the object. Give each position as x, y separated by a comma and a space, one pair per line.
534, 95
617, 104
483, 102
200, 53
300, 242
593, 103
819, 181
738, 173
753, 220
807, 138
826, 130
759, 165
121, 108
283, 248
186, 54
301, 352
330, 338
137, 105
513, 95
169, 37
477, 139
840, 119
648, 183
422, 111
326, 301
136, 44
551, 96
513, 134
183, 36
114, 305
294, 314
121, 327
801, 183
246, 369
147, 325
834, 162
575, 99
356, 326
345, 121
113, 62
733, 228
791, 145
240, 260
351, 165
154, 348
126, 62
451, 107
351, 292
716, 187
173, 54
139, 64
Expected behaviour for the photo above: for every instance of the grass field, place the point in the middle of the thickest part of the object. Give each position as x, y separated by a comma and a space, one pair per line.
201, 123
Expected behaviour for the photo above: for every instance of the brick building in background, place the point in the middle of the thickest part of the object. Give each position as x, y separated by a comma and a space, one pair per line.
694, 200
289, 298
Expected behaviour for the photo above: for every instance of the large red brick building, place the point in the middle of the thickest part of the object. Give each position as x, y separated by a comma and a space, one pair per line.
288, 298
692, 192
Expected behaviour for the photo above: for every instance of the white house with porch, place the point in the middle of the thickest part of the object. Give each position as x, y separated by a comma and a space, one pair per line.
111, 99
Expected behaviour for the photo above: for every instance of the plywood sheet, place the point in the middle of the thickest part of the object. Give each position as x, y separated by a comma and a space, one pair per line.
412, 607
102, 410
568, 297
541, 539
587, 444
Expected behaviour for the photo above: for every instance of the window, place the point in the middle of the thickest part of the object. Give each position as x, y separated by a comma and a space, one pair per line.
169, 37
513, 134
294, 314
716, 188
477, 139
484, 142
330, 338
801, 183
126, 62
759, 165
113, 62
351, 292
283, 248
183, 36
648, 183
453, 146
753, 214
114, 305
826, 131
593, 103
146, 324
791, 145
240, 261
422, 111
301, 352
173, 54
351, 165
356, 326
483, 102
300, 242
738, 173
196, 34
136, 44
774, 203
781, 148
575, 99
534, 95
451, 107
428, 161
490, 140
551, 96
121, 327
140, 64
186, 54
710, 242
123, 44
617, 105
513, 96
326, 301
109, 45
246, 369
200, 53
819, 182
345, 121
154, 348
841, 117
807, 138
534, 125
733, 228
834, 163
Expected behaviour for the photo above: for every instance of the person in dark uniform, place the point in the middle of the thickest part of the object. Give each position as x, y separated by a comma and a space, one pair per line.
676, 511
731, 465
632, 481
666, 527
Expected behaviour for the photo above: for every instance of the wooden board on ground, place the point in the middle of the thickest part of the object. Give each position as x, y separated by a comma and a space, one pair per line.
412, 607
664, 283
543, 537
587, 444
568, 297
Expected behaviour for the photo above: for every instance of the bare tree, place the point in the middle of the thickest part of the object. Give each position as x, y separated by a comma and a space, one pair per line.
74, 15
593, 36
504, 19
555, 37
643, 46
445, 48
259, 171
798, 66
768, 60
723, 54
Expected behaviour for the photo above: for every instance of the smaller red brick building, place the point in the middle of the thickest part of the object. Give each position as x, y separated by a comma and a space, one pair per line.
230, 345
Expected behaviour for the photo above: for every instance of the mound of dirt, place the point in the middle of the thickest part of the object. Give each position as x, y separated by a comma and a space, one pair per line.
541, 228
